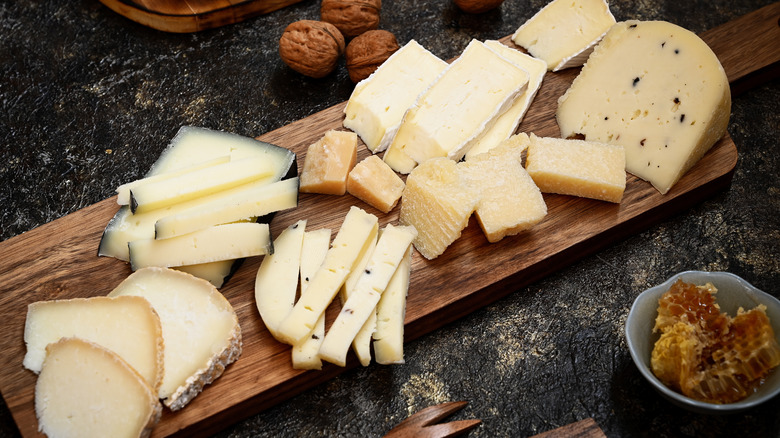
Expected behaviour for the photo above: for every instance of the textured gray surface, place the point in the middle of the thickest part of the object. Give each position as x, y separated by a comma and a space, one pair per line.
88, 99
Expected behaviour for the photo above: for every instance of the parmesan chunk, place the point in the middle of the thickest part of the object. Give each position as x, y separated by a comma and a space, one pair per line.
328, 162
374, 182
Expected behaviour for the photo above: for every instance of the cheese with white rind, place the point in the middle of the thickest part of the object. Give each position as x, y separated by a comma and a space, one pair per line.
222, 242
463, 102
391, 248
352, 240
85, 390
315, 247
378, 103
507, 123
200, 329
564, 32
657, 90
362, 342
276, 281
128, 326
246, 202
390, 315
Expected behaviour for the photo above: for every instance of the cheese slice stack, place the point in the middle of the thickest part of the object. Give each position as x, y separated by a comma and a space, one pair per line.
657, 90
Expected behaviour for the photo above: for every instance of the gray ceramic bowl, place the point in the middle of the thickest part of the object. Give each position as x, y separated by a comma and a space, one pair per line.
733, 292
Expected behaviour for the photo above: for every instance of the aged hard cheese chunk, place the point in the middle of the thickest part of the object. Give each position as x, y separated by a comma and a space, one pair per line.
126, 325
577, 167
464, 101
390, 314
378, 103
564, 32
657, 90
327, 163
374, 182
199, 326
85, 390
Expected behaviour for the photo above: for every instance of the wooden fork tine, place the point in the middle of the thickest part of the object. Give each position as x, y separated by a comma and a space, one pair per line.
422, 424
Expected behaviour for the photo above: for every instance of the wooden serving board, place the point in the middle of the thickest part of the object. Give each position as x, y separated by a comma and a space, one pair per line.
58, 260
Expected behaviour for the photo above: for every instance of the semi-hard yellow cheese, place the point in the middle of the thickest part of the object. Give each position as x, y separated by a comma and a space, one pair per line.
378, 103
362, 342
577, 167
564, 32
390, 314
656, 89
328, 162
128, 326
200, 329
85, 390
374, 182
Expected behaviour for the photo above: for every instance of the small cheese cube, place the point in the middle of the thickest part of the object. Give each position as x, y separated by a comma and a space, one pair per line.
577, 167
374, 182
328, 162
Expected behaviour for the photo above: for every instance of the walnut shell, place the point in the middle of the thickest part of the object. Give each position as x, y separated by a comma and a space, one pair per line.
352, 17
368, 51
477, 6
311, 47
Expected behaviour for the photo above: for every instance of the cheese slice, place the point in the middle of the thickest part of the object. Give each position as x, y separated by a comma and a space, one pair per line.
315, 247
564, 32
276, 281
128, 326
200, 329
657, 90
375, 183
390, 315
378, 103
328, 162
221, 242
507, 123
85, 390
464, 101
352, 240
362, 342
393, 244
242, 204
578, 168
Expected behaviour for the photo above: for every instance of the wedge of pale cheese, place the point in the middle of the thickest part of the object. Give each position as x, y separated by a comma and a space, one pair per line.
200, 329
85, 390
464, 101
564, 32
390, 315
328, 162
129, 326
657, 90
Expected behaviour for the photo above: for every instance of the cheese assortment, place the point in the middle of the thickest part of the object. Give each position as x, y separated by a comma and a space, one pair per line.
564, 32
328, 162
375, 183
657, 90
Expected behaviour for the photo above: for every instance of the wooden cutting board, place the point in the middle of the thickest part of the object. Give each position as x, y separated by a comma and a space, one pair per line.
58, 259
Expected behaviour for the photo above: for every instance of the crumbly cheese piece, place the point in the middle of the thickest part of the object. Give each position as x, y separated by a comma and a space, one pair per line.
390, 314
564, 32
315, 247
243, 204
328, 162
577, 167
438, 202
362, 342
393, 244
378, 103
85, 390
374, 182
507, 123
352, 240
276, 281
463, 102
128, 326
656, 89
200, 329
221, 242
509, 201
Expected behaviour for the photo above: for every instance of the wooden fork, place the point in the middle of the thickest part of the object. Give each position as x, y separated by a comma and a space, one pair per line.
421, 424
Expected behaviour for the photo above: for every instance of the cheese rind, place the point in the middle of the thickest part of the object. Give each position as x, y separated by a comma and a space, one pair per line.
328, 162
656, 89
390, 315
375, 183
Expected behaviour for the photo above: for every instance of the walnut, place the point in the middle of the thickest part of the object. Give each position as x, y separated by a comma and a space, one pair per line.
477, 6
368, 51
311, 47
352, 17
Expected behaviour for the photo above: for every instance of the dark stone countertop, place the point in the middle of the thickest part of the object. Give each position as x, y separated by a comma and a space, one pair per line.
88, 99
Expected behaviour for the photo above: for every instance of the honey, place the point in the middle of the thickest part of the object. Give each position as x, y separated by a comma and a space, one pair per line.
706, 354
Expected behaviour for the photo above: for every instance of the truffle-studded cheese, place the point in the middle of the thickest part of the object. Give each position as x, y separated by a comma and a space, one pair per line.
390, 315
375, 183
656, 89
328, 162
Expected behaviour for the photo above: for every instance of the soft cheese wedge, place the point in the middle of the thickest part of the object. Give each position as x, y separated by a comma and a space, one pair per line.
128, 326
464, 101
564, 32
657, 90
85, 390
390, 314
378, 103
199, 327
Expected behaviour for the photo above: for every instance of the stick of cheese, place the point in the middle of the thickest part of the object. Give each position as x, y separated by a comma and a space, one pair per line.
390, 315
